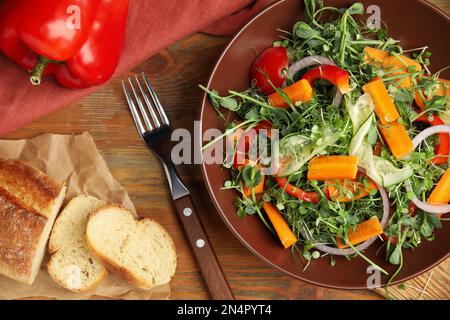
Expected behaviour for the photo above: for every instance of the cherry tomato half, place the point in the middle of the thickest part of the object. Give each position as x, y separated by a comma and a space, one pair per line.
271, 63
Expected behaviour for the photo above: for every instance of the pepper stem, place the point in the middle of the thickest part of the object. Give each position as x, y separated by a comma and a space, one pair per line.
38, 71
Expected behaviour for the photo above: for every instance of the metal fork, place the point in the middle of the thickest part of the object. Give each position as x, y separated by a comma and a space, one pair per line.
153, 126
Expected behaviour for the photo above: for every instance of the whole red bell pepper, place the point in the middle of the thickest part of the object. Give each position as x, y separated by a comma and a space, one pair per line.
78, 41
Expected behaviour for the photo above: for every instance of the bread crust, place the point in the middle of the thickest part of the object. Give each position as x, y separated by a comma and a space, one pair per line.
28, 199
113, 267
27, 183
21, 228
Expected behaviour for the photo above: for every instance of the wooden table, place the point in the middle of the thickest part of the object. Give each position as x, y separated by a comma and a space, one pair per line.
175, 73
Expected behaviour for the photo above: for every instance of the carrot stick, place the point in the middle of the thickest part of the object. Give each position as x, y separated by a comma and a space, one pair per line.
401, 61
363, 231
258, 188
441, 193
397, 139
382, 58
298, 91
384, 105
282, 229
333, 167
351, 185
442, 90
405, 81
375, 56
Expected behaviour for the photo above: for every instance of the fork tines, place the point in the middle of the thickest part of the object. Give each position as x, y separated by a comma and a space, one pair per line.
146, 105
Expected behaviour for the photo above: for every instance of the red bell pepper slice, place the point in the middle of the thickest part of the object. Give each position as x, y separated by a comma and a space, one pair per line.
443, 148
244, 140
443, 89
393, 240
264, 125
44, 36
333, 74
296, 191
242, 147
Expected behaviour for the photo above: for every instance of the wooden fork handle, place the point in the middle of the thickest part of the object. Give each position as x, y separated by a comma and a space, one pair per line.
213, 275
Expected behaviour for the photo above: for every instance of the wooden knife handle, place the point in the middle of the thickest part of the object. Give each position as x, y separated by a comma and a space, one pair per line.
213, 275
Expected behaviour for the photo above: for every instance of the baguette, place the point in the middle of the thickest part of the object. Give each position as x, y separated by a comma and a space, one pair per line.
29, 203
140, 251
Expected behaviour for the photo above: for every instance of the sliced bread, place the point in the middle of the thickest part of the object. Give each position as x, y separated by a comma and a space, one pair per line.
29, 203
71, 265
141, 251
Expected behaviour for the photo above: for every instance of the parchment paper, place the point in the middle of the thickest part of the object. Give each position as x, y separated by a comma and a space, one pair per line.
75, 159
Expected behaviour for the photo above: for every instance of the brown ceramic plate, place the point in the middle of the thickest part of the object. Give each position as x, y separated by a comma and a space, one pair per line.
415, 23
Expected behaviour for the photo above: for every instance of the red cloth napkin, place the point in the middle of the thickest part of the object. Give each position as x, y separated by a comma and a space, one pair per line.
231, 24
152, 26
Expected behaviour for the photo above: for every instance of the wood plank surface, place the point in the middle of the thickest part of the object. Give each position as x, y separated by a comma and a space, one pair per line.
175, 73
431, 285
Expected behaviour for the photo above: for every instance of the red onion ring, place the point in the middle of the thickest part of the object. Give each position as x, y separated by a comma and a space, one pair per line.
312, 61
427, 207
429, 132
437, 209
307, 62
363, 246
337, 100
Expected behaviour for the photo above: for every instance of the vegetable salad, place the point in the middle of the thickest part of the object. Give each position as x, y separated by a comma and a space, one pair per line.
364, 139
